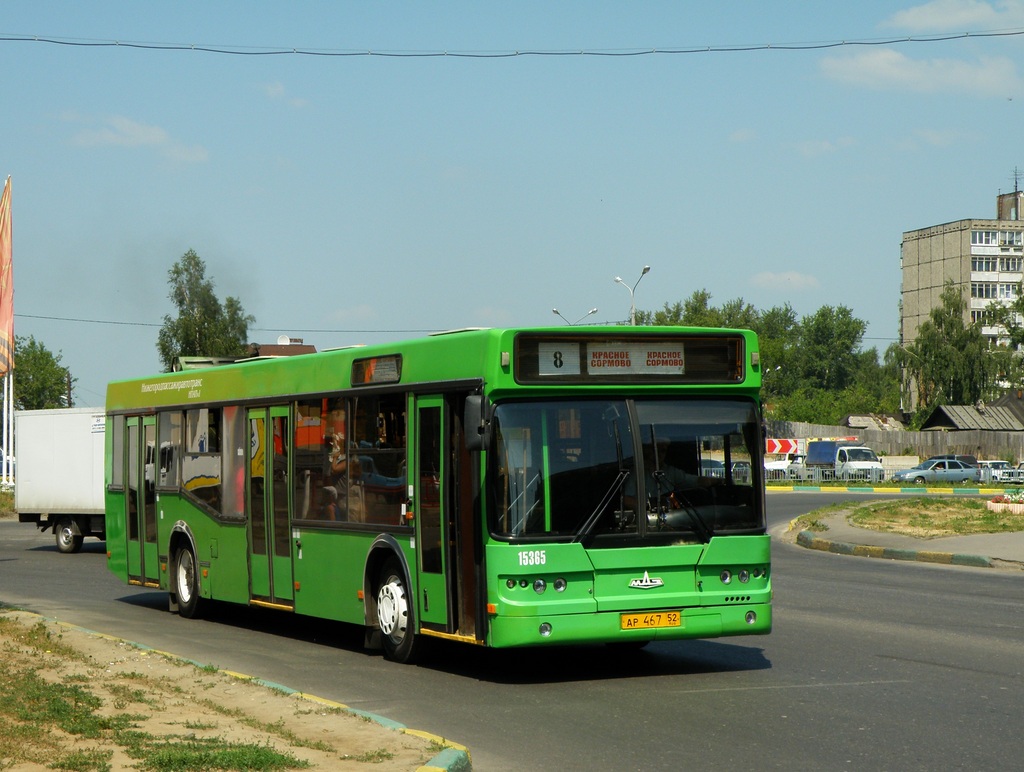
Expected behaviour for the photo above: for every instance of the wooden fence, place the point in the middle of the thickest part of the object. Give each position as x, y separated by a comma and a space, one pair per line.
976, 442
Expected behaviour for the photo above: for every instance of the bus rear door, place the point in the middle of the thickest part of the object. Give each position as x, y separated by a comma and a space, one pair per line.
270, 554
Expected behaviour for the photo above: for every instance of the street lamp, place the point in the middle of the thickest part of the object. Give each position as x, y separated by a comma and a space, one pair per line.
557, 313
632, 307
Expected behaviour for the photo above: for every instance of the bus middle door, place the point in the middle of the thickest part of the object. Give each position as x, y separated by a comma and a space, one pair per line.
430, 504
140, 502
270, 555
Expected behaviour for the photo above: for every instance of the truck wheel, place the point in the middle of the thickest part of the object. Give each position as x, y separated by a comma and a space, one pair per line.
186, 583
394, 614
68, 542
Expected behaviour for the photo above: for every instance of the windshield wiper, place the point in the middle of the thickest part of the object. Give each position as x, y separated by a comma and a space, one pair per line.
591, 521
701, 526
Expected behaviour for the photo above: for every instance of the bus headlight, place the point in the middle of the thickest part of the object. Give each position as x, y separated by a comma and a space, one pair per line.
545, 629
750, 617
726, 576
539, 585
744, 576
559, 585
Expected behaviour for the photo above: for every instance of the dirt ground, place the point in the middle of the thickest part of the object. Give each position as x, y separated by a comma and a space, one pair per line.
179, 700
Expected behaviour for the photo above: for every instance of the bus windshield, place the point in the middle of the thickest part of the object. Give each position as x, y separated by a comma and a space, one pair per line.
615, 471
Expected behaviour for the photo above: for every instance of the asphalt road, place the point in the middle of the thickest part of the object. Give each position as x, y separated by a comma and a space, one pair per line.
872, 665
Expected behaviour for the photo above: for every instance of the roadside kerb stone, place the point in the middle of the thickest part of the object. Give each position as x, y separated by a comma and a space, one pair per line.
812, 541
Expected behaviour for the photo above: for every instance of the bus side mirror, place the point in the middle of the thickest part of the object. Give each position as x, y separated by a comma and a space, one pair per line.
477, 424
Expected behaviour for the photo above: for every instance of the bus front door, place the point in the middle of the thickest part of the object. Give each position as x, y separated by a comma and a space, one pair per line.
140, 503
430, 508
270, 555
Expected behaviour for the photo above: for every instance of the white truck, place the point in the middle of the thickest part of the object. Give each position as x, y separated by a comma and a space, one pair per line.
843, 459
58, 484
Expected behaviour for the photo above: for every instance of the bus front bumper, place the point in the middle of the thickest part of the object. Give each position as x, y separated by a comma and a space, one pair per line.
615, 627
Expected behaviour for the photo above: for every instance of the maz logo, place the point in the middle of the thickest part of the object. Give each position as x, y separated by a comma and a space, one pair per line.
647, 583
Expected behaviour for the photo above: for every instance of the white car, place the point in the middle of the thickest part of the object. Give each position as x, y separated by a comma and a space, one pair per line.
788, 468
996, 469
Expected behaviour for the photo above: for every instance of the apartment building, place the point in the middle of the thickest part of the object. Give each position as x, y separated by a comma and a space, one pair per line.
983, 258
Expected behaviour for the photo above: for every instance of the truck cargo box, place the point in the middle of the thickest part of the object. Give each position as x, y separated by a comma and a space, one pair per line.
59, 478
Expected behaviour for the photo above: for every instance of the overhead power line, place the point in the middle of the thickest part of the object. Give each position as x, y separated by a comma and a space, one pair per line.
279, 329
232, 50
254, 329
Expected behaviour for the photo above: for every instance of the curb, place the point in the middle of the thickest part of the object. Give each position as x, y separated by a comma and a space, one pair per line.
869, 489
810, 540
454, 757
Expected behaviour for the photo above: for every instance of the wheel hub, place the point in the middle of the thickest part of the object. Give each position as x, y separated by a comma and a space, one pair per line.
392, 609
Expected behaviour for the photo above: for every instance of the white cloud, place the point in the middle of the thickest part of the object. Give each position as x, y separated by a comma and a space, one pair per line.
489, 316
786, 280
889, 69
118, 131
123, 132
277, 92
939, 137
354, 315
817, 147
958, 15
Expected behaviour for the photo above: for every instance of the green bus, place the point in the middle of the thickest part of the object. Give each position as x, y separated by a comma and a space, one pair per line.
501, 487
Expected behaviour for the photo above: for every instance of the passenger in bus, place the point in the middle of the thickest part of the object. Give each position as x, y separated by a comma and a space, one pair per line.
344, 471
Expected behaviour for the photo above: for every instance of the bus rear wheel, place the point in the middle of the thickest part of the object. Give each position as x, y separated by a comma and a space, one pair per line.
186, 583
394, 614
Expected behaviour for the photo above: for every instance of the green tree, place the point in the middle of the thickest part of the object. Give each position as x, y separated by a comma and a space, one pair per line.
204, 326
778, 335
41, 382
1009, 315
697, 311
829, 342
813, 369
949, 362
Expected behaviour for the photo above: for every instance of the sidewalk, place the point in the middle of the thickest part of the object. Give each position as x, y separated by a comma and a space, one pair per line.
987, 550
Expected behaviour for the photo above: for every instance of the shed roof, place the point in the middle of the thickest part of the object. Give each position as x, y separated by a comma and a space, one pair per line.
964, 417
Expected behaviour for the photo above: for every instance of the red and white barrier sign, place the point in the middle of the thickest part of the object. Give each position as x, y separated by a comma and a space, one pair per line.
783, 446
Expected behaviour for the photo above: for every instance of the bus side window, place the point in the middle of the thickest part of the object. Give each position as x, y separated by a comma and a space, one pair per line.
310, 498
378, 447
170, 448
200, 469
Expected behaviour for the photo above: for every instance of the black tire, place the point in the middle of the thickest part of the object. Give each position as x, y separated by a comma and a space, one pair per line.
395, 614
186, 583
919, 481
68, 542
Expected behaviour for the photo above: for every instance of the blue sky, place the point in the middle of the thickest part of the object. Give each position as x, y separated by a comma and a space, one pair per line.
360, 199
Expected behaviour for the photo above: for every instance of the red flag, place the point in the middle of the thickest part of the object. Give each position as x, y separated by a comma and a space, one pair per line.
6, 284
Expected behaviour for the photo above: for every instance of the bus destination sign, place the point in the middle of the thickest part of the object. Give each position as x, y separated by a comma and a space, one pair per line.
703, 357
612, 358
383, 369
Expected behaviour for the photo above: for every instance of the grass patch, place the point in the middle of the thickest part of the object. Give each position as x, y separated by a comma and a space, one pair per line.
815, 521
170, 754
61, 708
934, 517
374, 757
923, 517
7, 505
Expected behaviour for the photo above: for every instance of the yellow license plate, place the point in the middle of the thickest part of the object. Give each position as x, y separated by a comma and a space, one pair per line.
650, 619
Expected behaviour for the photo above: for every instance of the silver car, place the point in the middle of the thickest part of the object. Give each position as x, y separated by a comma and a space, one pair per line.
939, 471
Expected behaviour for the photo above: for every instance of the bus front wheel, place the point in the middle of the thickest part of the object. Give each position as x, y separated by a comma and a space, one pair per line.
394, 614
186, 583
